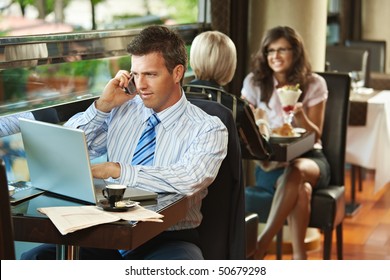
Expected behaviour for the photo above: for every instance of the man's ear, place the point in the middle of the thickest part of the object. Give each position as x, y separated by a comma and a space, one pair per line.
178, 73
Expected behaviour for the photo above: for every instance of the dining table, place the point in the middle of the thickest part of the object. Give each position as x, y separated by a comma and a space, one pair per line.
368, 134
32, 226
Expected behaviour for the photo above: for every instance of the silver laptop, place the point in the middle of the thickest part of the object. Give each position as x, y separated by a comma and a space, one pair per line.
58, 162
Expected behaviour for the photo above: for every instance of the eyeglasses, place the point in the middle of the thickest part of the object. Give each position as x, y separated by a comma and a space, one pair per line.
281, 51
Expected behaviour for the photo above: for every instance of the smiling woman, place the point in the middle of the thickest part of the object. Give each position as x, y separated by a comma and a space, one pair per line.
278, 67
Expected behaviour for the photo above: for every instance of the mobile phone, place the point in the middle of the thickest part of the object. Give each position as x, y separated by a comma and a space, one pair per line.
131, 88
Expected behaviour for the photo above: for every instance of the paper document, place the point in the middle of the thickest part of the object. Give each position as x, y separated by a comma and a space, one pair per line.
69, 219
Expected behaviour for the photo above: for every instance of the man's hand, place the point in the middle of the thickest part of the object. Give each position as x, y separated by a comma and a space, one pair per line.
113, 93
106, 170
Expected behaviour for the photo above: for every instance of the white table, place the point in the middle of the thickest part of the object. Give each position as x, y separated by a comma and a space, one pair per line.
369, 146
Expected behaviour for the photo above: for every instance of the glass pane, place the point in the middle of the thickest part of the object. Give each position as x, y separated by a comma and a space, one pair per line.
46, 68
25, 89
76, 15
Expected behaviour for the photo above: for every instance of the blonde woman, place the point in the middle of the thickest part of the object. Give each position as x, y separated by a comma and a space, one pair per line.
213, 58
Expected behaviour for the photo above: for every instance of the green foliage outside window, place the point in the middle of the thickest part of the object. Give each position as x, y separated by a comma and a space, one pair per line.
183, 11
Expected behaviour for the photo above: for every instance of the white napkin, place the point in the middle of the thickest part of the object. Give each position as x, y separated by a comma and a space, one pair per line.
69, 219
364, 90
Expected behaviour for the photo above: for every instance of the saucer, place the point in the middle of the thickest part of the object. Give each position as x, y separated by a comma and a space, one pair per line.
124, 205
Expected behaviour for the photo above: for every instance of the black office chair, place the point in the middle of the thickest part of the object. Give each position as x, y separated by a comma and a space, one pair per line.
222, 231
327, 205
377, 51
345, 59
7, 247
253, 145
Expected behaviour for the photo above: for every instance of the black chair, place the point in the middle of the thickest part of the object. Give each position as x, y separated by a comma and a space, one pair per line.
253, 145
345, 59
222, 231
46, 115
327, 205
7, 247
377, 51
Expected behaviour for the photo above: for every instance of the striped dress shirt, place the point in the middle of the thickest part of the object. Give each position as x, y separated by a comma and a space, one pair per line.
10, 124
190, 147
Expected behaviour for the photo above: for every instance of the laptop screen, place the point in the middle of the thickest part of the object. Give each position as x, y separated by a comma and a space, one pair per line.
58, 162
58, 159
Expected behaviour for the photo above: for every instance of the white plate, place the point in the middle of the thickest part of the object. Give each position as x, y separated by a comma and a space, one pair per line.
299, 130
276, 138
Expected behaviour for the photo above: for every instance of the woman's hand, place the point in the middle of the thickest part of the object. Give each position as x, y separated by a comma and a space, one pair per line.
312, 119
298, 108
259, 113
261, 120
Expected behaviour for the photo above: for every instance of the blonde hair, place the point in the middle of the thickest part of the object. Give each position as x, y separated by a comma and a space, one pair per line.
213, 57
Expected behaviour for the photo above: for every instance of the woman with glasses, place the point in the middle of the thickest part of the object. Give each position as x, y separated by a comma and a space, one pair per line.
282, 61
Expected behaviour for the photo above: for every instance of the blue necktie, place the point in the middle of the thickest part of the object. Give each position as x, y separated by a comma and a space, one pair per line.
144, 152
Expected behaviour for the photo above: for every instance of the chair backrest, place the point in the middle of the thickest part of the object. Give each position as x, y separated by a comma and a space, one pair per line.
335, 125
349, 59
222, 231
377, 51
7, 247
253, 144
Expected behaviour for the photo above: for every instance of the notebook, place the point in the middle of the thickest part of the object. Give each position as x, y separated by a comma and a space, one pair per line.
58, 162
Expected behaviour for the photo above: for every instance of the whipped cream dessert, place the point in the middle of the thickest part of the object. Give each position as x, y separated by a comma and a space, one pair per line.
288, 96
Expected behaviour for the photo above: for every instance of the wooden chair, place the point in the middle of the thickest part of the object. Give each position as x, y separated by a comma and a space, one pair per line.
7, 247
327, 205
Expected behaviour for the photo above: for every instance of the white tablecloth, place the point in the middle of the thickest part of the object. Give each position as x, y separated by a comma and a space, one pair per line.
369, 146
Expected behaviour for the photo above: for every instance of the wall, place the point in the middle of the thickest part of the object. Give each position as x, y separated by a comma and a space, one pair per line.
376, 22
306, 16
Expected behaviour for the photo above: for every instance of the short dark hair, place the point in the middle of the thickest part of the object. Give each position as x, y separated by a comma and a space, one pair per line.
160, 39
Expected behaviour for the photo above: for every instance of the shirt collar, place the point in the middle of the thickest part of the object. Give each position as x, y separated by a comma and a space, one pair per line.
170, 115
